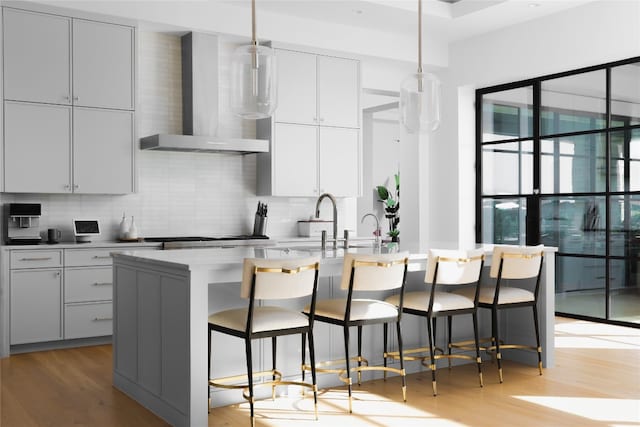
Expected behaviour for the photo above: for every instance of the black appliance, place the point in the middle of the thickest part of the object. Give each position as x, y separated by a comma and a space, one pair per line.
182, 242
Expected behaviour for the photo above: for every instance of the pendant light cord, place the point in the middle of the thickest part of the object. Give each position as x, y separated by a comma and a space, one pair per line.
253, 23
419, 36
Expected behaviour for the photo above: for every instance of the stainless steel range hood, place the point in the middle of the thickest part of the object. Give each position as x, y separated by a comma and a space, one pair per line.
200, 105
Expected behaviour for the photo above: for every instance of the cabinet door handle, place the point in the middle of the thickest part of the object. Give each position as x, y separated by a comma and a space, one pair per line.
322, 119
75, 98
36, 259
75, 186
101, 256
100, 319
102, 284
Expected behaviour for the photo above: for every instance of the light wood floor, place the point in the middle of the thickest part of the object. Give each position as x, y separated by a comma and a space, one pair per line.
596, 382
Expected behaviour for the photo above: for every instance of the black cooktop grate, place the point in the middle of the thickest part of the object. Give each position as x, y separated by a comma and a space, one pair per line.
201, 238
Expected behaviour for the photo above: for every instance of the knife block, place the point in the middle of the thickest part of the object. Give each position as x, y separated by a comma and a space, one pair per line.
260, 226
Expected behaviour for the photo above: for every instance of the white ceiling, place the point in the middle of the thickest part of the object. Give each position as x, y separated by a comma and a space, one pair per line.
445, 20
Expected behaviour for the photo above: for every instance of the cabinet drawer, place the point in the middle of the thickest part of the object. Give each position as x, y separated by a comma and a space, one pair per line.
36, 259
88, 320
87, 257
88, 284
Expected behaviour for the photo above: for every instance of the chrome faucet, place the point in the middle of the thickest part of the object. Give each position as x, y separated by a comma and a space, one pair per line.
377, 241
335, 216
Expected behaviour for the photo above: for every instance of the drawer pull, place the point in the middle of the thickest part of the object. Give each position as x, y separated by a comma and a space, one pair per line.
36, 259
101, 257
102, 284
100, 319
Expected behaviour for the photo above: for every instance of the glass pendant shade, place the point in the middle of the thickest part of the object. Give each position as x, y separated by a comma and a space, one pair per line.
254, 82
420, 102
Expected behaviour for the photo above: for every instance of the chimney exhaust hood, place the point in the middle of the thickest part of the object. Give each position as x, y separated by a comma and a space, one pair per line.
200, 105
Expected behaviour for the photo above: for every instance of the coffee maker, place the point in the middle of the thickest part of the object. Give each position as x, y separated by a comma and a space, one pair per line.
23, 224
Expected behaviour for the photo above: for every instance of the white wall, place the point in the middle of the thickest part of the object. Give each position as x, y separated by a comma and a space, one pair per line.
592, 34
227, 18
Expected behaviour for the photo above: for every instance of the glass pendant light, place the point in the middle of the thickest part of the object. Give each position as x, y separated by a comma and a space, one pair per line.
420, 95
253, 78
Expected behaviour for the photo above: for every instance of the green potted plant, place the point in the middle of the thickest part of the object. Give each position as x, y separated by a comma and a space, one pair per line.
391, 203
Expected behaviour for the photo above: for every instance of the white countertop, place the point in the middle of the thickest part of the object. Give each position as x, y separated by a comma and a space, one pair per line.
214, 258
75, 245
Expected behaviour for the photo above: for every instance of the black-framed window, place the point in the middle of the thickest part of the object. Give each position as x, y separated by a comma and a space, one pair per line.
559, 164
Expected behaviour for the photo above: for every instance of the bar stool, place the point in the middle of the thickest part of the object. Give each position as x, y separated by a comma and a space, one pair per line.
445, 269
362, 273
512, 267
269, 280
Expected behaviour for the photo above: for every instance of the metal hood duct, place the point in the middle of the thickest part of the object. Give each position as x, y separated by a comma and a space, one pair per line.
200, 105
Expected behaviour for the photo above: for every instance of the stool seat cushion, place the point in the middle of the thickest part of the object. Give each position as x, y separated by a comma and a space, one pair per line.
442, 301
508, 295
264, 319
361, 309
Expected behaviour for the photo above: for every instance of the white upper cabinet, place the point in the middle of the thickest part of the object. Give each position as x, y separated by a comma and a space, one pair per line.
338, 92
102, 161
37, 57
339, 161
43, 62
317, 89
296, 160
102, 65
37, 156
69, 101
296, 87
315, 131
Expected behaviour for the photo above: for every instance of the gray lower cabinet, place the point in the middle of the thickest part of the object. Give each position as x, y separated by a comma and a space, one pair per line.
36, 296
88, 320
60, 294
35, 305
87, 302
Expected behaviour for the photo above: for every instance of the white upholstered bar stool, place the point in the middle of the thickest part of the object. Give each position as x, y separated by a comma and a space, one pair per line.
267, 279
362, 273
446, 269
512, 267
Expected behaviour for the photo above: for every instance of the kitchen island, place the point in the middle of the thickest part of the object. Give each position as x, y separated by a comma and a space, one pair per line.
162, 300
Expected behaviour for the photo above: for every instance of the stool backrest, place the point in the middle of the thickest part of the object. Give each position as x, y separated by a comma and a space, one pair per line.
279, 278
374, 272
518, 262
454, 267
